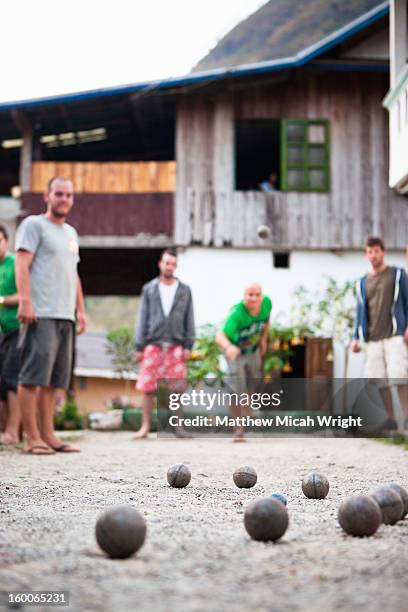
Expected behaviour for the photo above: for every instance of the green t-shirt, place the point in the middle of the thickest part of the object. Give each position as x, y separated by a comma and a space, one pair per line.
8, 314
244, 330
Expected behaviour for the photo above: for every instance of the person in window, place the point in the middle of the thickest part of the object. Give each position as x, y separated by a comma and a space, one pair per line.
270, 184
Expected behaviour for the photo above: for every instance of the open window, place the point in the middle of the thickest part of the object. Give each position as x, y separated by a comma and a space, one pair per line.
282, 155
257, 152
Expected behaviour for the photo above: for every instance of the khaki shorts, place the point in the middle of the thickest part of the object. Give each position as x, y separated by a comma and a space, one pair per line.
244, 373
387, 360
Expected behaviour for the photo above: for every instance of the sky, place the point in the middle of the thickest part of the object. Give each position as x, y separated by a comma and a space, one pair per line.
50, 47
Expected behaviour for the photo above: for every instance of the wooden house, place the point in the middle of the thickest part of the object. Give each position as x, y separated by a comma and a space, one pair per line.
179, 162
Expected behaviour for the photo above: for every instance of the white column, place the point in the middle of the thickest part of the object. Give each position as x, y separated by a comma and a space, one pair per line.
398, 38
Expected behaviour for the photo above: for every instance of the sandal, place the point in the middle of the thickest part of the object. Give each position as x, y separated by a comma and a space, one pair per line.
65, 448
39, 450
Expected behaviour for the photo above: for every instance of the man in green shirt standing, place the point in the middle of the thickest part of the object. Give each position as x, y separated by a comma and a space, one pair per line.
9, 328
243, 340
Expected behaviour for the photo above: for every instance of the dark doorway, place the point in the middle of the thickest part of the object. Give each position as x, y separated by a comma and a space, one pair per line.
257, 152
117, 271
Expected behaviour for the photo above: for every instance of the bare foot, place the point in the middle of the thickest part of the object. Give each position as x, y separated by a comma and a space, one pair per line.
141, 434
8, 439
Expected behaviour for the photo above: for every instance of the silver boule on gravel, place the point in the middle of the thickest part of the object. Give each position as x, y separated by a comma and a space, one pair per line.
266, 519
315, 486
245, 477
120, 531
404, 496
263, 232
178, 475
360, 515
391, 504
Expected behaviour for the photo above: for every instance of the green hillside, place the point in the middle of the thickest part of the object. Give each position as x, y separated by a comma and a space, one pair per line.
281, 28
107, 313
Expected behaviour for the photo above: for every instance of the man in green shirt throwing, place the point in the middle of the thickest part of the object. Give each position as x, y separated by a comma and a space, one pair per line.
243, 340
9, 327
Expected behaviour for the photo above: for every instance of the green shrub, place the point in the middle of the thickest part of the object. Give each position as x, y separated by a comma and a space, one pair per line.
204, 362
68, 417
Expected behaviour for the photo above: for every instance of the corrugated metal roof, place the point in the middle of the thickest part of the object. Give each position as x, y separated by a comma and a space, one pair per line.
92, 359
300, 59
91, 352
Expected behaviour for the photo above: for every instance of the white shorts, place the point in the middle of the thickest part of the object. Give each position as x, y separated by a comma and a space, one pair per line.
388, 360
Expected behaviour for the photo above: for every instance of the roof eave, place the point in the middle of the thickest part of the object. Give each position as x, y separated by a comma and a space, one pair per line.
297, 61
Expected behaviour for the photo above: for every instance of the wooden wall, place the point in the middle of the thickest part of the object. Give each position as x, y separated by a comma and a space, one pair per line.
209, 211
137, 216
108, 177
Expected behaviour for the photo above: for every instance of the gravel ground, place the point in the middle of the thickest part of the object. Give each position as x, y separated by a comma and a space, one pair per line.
197, 555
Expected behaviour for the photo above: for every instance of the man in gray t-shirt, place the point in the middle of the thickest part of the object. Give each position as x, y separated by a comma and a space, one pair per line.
53, 273
51, 303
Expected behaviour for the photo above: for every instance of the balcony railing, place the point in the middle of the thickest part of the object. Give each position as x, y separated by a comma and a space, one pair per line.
116, 203
108, 177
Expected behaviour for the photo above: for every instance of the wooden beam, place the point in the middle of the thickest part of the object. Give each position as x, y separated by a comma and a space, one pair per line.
108, 177
26, 152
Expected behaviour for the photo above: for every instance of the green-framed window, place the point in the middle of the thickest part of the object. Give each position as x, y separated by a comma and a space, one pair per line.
305, 155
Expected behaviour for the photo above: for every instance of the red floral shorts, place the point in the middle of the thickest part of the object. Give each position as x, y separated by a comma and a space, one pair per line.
160, 363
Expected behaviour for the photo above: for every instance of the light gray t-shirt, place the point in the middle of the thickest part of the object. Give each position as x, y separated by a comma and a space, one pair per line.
53, 274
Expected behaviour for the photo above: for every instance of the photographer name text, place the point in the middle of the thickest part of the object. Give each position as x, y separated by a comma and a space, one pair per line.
276, 421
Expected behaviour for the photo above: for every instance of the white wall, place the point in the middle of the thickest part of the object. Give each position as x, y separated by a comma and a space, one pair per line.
399, 138
218, 277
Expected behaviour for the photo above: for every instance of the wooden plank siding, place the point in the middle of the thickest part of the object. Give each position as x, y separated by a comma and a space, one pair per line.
210, 212
133, 215
108, 177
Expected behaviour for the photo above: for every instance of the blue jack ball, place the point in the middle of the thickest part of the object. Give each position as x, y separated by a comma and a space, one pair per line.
280, 497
